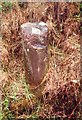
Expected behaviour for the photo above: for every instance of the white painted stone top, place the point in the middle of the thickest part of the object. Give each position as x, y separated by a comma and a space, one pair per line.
37, 28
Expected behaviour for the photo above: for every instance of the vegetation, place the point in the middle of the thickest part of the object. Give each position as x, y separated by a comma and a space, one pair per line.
61, 96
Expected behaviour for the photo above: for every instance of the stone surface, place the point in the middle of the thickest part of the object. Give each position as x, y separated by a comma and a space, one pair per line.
35, 46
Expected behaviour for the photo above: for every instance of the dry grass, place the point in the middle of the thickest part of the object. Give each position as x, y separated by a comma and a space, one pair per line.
60, 96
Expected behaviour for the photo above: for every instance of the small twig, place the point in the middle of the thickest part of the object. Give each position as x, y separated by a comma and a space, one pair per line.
74, 109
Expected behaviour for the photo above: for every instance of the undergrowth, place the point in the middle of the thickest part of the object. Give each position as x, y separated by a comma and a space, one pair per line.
61, 97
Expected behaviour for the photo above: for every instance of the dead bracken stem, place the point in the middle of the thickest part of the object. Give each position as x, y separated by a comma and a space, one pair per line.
75, 109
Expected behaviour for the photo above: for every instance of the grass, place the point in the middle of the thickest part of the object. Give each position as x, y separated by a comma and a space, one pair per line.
7, 114
18, 100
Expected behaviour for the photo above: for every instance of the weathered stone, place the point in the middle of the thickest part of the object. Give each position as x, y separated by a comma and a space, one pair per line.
35, 46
